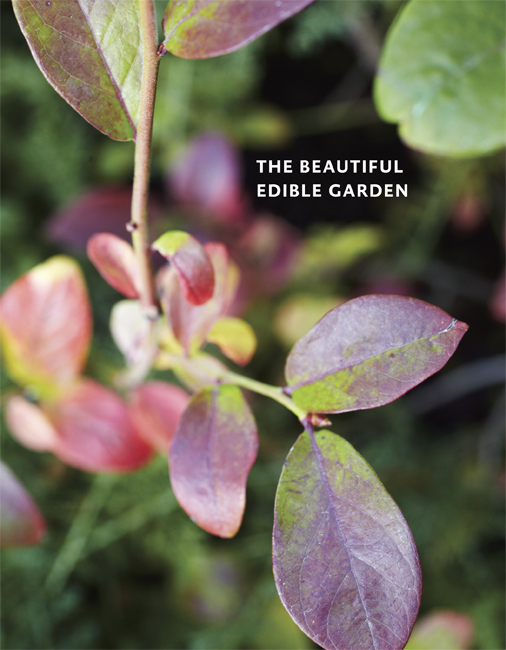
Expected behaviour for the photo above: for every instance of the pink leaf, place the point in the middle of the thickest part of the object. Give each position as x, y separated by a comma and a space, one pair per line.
155, 409
115, 260
21, 523
370, 351
199, 29
29, 425
193, 266
45, 325
95, 431
191, 324
210, 458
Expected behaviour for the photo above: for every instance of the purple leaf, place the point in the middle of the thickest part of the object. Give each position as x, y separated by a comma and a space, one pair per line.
191, 261
345, 564
90, 52
191, 324
103, 209
21, 521
115, 260
199, 29
368, 352
207, 177
210, 457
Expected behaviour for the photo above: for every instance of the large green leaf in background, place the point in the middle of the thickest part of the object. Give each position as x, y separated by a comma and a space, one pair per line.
90, 52
442, 76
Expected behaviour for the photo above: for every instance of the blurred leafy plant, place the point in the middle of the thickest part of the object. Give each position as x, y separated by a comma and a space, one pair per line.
331, 510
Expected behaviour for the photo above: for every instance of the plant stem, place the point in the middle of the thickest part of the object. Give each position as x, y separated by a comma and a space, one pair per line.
273, 392
140, 239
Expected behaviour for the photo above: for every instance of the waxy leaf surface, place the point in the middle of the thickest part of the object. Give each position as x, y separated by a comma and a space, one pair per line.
191, 261
345, 564
156, 408
210, 457
21, 523
199, 29
442, 76
45, 326
95, 430
191, 324
90, 52
370, 351
115, 260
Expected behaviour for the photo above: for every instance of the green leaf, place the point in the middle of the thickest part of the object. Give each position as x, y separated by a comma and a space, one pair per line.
235, 338
442, 76
90, 52
368, 352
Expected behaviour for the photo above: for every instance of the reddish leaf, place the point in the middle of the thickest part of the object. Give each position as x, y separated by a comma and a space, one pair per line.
207, 177
192, 324
45, 325
210, 458
442, 629
199, 29
193, 266
370, 351
21, 523
156, 408
95, 431
29, 425
345, 564
103, 209
91, 54
115, 260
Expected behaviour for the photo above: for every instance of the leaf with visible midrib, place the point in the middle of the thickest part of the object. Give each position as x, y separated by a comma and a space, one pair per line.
199, 29
345, 563
90, 52
368, 352
442, 76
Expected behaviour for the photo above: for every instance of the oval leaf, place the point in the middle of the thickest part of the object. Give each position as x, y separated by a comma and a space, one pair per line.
235, 338
345, 564
90, 52
45, 326
156, 408
207, 178
442, 76
192, 264
370, 351
210, 458
115, 260
29, 425
95, 431
21, 523
199, 29
191, 324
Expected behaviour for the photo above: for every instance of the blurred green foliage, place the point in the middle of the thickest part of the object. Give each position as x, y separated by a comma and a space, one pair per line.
122, 565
